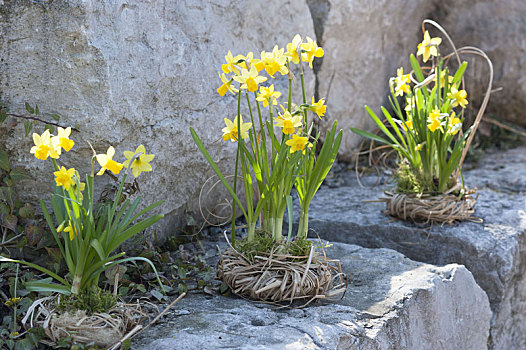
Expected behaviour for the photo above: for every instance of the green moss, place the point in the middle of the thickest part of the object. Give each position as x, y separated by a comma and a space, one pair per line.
411, 181
264, 243
91, 301
299, 247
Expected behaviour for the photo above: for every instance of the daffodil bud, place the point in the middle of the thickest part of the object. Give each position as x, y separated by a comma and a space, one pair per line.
60, 227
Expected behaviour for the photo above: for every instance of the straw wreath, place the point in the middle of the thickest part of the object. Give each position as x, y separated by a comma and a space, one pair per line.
100, 329
443, 209
279, 278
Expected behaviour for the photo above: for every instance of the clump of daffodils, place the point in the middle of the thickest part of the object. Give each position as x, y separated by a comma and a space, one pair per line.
87, 236
275, 141
426, 129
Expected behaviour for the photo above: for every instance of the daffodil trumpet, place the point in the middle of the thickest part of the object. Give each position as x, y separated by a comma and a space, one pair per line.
275, 148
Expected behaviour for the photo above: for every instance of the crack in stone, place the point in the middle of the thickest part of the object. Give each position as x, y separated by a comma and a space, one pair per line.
319, 10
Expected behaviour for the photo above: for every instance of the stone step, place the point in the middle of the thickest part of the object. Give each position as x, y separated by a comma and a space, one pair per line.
493, 251
392, 303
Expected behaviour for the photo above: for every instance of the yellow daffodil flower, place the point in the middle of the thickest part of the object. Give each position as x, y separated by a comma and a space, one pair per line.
418, 147
298, 143
428, 47
454, 124
309, 50
402, 80
288, 122
230, 65
318, 107
242, 60
233, 63
249, 79
443, 78
267, 95
60, 227
259, 63
71, 230
106, 162
292, 49
458, 97
62, 140
435, 120
273, 62
226, 86
82, 186
44, 147
139, 164
408, 123
64, 177
231, 133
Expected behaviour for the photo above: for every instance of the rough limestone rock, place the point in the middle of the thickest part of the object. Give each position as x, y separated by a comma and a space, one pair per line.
498, 28
365, 42
132, 72
494, 251
391, 303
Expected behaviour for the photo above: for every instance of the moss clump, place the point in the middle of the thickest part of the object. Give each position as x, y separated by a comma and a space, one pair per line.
410, 181
264, 243
92, 301
299, 247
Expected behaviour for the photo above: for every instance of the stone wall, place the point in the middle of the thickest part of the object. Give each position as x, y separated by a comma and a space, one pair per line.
131, 72
365, 42
498, 28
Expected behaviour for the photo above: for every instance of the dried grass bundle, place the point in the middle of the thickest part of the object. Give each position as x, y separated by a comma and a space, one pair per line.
279, 278
99, 329
442, 209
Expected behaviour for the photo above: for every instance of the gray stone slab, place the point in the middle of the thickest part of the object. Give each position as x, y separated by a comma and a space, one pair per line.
392, 303
493, 251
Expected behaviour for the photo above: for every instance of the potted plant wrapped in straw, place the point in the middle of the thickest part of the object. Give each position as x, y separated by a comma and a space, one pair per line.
275, 153
87, 235
427, 133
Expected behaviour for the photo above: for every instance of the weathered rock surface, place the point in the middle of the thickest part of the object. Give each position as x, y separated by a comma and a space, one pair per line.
391, 303
494, 251
365, 41
498, 28
132, 72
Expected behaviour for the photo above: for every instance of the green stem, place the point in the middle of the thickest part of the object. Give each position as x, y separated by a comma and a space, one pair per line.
251, 230
260, 116
252, 131
75, 287
55, 166
303, 95
14, 304
289, 102
235, 173
303, 227
278, 229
